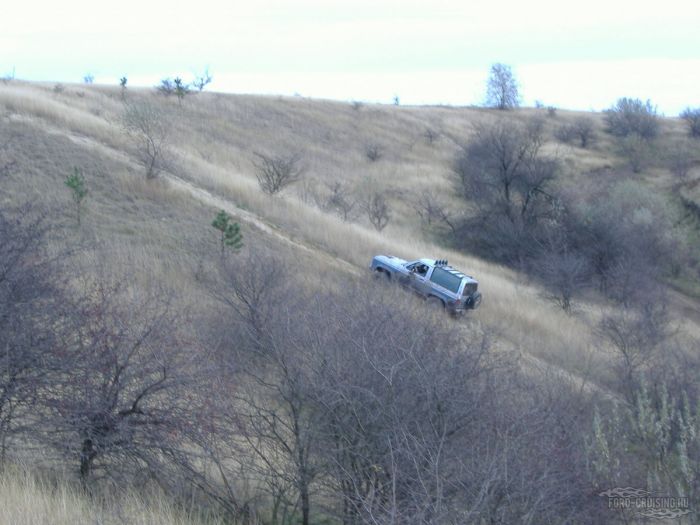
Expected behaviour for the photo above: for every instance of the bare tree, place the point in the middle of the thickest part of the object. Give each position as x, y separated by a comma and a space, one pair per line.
29, 296
274, 414
126, 391
430, 208
374, 204
166, 87
692, 118
502, 88
564, 274
149, 129
340, 200
203, 80
507, 182
681, 159
581, 129
276, 172
635, 334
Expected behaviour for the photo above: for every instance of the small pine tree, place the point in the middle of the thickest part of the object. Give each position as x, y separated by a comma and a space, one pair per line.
230, 232
78, 186
122, 85
181, 90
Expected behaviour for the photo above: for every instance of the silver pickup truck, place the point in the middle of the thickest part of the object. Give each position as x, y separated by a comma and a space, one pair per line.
435, 280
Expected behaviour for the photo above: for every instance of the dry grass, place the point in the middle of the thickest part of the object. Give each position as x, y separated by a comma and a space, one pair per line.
159, 228
26, 499
158, 232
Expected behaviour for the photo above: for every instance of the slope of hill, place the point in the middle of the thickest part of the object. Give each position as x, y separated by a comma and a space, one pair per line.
215, 137
158, 231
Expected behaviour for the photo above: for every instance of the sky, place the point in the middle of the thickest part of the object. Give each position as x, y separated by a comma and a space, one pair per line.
574, 55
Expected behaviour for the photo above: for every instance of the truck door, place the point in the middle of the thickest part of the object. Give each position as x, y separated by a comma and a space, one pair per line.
420, 280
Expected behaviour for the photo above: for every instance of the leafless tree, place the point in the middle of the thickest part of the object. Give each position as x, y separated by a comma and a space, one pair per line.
506, 181
274, 416
502, 88
166, 87
148, 127
636, 333
681, 159
692, 118
276, 172
582, 129
430, 208
126, 393
203, 80
29, 294
564, 274
376, 207
340, 200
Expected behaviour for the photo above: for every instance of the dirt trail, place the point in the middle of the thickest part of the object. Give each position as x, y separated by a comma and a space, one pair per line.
208, 198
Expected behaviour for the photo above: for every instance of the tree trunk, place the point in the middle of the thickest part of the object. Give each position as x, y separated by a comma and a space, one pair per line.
87, 454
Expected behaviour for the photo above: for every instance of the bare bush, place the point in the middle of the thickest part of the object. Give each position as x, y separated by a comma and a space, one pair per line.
125, 392
373, 152
681, 159
692, 119
166, 87
375, 205
431, 209
203, 80
149, 129
276, 172
638, 152
29, 295
564, 273
340, 200
630, 116
635, 334
581, 129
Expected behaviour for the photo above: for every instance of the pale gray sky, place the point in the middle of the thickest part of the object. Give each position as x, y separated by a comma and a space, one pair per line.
581, 55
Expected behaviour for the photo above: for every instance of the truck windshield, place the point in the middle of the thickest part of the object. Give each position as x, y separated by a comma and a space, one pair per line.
446, 279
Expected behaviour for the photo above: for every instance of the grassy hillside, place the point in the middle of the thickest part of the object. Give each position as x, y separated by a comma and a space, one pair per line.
163, 226
158, 232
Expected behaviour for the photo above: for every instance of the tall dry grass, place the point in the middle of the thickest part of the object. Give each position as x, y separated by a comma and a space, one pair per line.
214, 139
28, 499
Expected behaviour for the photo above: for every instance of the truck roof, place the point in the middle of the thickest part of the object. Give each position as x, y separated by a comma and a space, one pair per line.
432, 262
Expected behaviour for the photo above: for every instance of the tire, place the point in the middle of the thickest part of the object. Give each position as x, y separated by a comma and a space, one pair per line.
381, 275
474, 301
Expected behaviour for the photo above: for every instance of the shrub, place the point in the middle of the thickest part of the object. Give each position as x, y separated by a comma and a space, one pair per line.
76, 183
692, 118
632, 116
274, 173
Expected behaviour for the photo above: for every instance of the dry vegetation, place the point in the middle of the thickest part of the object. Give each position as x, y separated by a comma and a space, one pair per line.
156, 233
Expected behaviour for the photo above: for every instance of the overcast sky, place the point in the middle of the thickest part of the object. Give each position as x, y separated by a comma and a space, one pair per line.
579, 55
